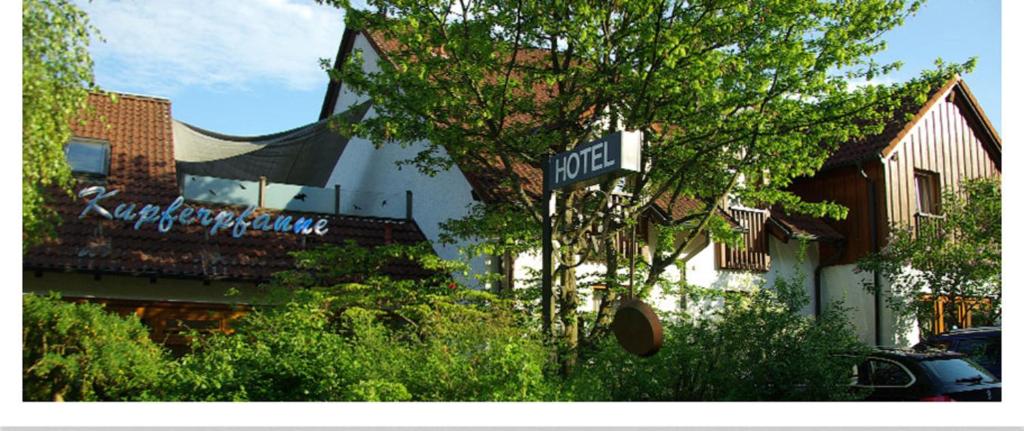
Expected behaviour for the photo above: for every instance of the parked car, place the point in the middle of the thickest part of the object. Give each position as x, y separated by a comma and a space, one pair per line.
983, 345
929, 375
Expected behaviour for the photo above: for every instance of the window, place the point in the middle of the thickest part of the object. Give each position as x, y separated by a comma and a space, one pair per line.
958, 371
889, 373
88, 157
973, 347
927, 184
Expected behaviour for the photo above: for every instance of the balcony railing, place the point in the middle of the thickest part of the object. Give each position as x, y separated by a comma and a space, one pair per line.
926, 222
753, 255
292, 197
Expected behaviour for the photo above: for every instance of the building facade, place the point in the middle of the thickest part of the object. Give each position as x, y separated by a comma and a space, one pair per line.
191, 276
892, 178
182, 277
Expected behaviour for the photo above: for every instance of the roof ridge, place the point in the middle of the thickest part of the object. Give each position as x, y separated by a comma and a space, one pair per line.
128, 95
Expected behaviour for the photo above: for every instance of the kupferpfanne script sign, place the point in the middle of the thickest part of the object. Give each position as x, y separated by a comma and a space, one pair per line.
176, 213
611, 156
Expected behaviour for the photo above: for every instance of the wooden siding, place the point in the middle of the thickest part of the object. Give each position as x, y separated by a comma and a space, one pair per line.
947, 141
846, 186
753, 256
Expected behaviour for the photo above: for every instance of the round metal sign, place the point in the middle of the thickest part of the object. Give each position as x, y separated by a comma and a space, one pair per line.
637, 328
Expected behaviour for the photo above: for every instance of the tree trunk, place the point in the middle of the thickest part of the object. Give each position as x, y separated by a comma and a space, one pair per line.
605, 313
569, 304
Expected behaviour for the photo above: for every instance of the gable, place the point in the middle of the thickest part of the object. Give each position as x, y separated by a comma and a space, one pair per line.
950, 141
898, 128
952, 115
950, 133
338, 98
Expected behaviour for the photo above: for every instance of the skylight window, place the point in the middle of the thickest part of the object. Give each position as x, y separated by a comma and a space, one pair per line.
88, 157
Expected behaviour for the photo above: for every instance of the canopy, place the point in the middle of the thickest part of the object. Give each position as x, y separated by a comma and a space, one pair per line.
304, 156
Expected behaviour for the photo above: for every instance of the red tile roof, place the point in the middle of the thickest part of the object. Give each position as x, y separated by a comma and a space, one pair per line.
142, 167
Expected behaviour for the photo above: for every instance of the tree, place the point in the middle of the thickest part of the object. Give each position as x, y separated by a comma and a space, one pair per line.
56, 79
956, 258
734, 99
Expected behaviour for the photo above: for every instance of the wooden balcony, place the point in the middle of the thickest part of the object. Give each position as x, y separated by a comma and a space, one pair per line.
753, 255
922, 221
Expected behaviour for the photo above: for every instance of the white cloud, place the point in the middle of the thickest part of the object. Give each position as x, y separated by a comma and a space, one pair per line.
159, 47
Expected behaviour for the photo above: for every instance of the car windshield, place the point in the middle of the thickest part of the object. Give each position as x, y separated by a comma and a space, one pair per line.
958, 371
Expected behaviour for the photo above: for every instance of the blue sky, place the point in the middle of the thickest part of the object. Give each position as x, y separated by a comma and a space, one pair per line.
251, 67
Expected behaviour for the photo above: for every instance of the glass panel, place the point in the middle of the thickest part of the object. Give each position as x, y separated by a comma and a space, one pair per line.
958, 371
971, 347
984, 351
927, 192
87, 157
885, 373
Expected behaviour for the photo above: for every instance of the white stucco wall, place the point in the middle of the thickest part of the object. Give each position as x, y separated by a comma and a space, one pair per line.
346, 97
373, 174
701, 272
785, 264
840, 283
896, 331
527, 273
792, 262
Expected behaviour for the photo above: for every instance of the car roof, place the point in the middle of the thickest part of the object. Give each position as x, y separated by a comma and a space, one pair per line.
981, 330
921, 355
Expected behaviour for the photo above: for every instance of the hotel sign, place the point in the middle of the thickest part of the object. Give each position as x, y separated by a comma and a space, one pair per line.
175, 213
611, 156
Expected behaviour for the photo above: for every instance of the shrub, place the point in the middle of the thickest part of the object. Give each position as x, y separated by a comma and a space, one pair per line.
81, 352
455, 345
756, 347
284, 354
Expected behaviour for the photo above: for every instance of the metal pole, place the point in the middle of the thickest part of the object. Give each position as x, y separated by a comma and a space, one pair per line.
547, 249
261, 199
337, 199
632, 257
408, 205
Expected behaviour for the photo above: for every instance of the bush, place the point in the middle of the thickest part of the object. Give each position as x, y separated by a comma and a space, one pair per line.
285, 354
756, 347
455, 346
81, 352
332, 339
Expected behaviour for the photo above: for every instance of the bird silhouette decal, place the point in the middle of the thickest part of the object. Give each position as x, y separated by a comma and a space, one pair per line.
300, 197
213, 192
241, 185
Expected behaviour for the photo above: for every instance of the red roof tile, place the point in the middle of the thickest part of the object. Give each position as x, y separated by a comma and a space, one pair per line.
142, 169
